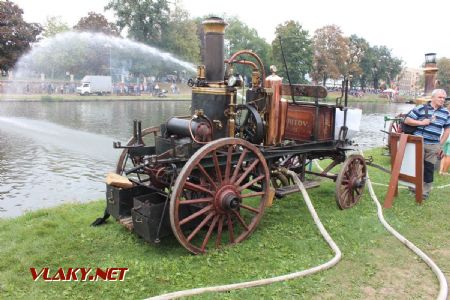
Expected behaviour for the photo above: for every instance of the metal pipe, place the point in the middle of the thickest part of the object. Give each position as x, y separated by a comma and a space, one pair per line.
139, 133
345, 128
134, 130
245, 62
286, 69
231, 116
282, 120
251, 53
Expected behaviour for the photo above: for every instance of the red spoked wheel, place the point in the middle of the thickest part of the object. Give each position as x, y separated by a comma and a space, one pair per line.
351, 181
394, 127
124, 158
219, 195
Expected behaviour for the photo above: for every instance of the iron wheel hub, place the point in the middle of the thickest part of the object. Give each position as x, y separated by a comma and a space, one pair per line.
227, 198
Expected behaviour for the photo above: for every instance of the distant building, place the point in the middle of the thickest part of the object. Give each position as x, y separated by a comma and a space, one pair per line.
408, 82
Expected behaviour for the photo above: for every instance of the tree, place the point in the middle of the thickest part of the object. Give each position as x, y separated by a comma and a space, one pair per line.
367, 66
378, 64
239, 36
144, 19
180, 37
331, 52
357, 49
395, 67
16, 35
297, 49
53, 26
443, 74
96, 23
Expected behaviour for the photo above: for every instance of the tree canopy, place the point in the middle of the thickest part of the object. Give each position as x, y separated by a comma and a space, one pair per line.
378, 64
331, 53
54, 25
297, 49
168, 27
180, 35
96, 23
357, 47
145, 20
239, 36
443, 74
16, 35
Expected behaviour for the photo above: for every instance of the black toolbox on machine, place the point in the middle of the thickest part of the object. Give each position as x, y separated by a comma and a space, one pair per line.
148, 213
119, 201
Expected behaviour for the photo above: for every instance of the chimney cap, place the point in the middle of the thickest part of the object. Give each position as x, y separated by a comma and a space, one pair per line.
214, 20
214, 25
430, 58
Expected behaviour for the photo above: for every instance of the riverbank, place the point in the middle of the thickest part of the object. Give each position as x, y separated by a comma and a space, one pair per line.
374, 264
72, 97
185, 95
379, 98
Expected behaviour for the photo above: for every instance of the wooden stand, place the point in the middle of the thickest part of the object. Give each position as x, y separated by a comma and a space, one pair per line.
398, 144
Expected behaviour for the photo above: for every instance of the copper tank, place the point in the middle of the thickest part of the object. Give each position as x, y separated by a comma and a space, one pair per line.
274, 82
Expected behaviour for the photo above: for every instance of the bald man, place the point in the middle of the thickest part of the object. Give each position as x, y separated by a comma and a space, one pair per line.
430, 120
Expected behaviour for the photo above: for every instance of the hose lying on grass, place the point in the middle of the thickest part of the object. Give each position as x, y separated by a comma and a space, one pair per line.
443, 291
254, 283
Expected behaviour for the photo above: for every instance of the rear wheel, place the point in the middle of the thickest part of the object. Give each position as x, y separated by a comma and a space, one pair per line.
351, 181
124, 156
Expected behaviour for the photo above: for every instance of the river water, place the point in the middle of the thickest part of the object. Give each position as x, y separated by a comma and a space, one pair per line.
55, 152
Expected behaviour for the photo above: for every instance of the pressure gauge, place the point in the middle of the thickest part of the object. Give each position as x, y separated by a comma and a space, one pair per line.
235, 80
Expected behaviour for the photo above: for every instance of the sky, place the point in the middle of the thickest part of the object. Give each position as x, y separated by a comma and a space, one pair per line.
409, 28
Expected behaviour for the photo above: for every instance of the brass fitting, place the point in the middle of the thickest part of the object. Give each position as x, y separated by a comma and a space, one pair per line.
256, 78
199, 113
218, 124
201, 72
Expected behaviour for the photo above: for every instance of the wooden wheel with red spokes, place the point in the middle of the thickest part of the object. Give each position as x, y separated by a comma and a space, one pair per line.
219, 195
351, 181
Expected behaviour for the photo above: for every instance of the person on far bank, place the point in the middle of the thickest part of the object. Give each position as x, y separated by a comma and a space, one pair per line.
430, 123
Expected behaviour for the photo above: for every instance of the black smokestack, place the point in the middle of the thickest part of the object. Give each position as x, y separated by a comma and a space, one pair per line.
213, 56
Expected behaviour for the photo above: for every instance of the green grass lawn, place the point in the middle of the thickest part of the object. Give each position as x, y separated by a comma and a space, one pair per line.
374, 264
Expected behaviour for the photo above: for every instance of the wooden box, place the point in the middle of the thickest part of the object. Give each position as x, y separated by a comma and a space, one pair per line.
307, 122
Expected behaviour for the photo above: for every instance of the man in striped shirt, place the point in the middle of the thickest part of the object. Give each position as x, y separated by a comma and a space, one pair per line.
430, 119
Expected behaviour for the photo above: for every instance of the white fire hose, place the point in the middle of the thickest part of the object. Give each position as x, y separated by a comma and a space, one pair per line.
443, 291
254, 283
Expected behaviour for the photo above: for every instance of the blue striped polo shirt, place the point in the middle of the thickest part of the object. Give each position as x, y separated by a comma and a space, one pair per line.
431, 133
